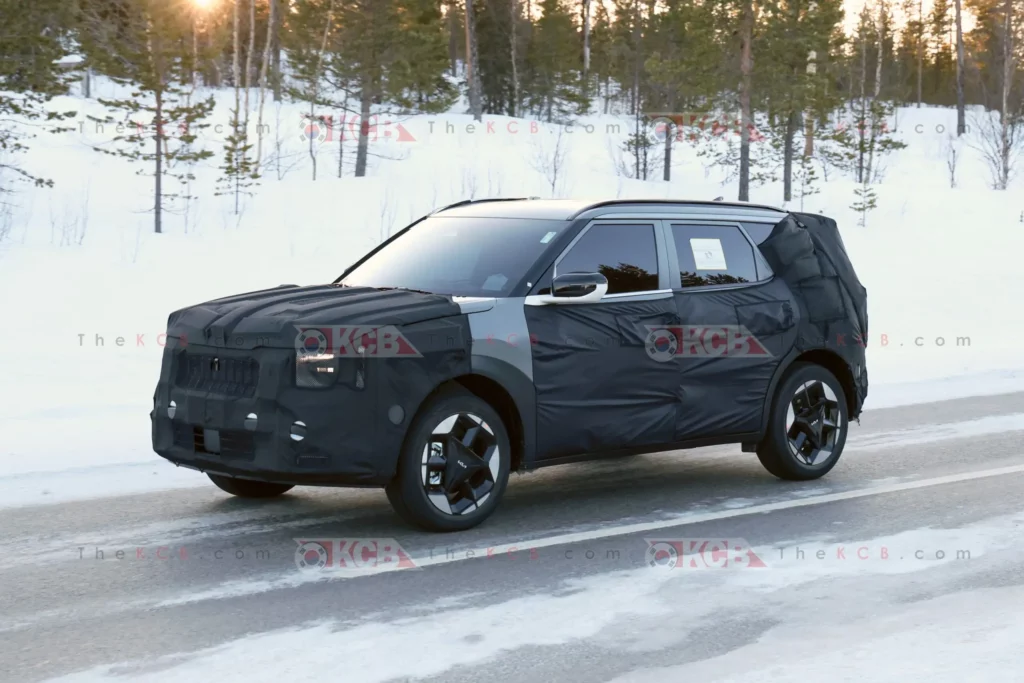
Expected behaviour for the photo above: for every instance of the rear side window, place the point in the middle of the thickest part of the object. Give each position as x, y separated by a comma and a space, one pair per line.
625, 254
713, 255
759, 231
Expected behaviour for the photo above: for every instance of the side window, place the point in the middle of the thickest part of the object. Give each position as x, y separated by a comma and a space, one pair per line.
758, 231
713, 255
625, 254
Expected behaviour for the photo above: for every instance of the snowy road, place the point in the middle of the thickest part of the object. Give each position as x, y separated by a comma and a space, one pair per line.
906, 562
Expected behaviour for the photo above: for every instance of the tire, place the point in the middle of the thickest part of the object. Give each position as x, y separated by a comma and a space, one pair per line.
454, 465
807, 426
246, 488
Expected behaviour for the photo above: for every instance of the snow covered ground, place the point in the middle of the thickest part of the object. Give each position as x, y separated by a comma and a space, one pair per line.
830, 639
86, 287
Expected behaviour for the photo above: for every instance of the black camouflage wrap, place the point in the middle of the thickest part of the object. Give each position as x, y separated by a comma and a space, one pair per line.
807, 251
351, 438
585, 382
725, 394
598, 388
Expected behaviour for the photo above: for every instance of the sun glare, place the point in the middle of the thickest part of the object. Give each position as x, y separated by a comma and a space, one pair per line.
204, 4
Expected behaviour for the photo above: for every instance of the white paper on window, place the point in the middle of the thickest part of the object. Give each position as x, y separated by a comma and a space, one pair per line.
708, 254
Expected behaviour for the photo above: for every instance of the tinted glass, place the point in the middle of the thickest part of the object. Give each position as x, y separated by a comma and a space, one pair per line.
459, 256
713, 255
625, 254
759, 231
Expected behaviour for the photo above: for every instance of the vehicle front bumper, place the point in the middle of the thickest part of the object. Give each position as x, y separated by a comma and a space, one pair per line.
209, 428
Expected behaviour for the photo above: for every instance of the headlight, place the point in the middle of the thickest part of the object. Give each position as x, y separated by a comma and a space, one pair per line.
317, 371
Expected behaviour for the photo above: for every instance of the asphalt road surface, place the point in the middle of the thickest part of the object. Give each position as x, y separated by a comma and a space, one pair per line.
905, 563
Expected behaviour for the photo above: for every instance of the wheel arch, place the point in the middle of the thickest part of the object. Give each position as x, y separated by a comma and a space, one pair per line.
494, 382
830, 360
498, 397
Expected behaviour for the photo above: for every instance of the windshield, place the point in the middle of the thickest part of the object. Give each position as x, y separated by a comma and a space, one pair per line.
459, 256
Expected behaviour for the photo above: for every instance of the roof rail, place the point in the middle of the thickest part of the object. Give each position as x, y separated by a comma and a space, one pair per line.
479, 201
717, 202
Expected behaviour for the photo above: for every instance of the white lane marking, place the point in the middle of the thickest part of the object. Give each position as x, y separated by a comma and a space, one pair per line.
687, 519
632, 613
18, 551
449, 555
296, 579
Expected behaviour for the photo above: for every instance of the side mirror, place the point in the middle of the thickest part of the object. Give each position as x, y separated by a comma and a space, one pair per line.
576, 288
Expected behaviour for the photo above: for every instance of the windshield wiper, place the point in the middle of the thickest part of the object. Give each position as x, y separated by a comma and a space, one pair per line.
404, 289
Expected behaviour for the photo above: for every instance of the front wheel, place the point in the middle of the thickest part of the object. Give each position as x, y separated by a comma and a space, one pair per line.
807, 426
246, 488
454, 465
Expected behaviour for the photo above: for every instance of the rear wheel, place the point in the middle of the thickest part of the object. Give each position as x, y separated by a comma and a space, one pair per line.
246, 488
454, 465
807, 426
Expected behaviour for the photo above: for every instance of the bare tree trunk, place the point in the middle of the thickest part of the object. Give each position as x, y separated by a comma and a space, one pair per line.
473, 64
787, 156
341, 137
880, 33
961, 115
1005, 145
862, 124
363, 148
158, 136
812, 68
264, 71
746, 117
249, 55
669, 134
513, 41
316, 79
453, 38
236, 63
641, 168
195, 48
586, 39
236, 66
158, 189
920, 51
276, 22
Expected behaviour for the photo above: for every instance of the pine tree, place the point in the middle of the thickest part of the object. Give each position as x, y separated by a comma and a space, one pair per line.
29, 76
683, 69
552, 87
866, 201
150, 51
238, 172
389, 56
796, 38
311, 26
941, 82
